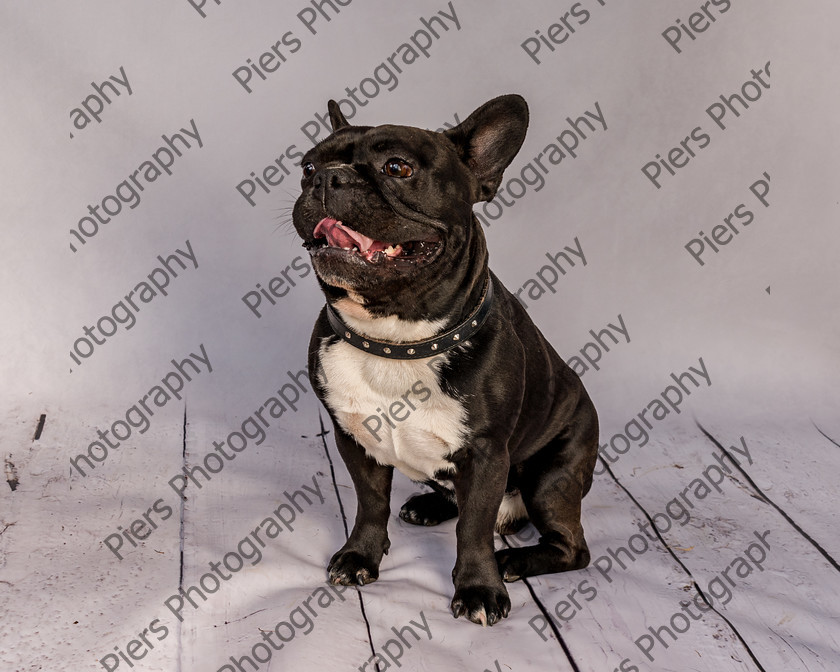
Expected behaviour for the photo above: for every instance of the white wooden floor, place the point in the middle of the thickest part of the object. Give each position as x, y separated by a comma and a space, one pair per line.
744, 570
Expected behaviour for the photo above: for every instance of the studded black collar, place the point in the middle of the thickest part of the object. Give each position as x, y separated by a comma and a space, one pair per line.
417, 349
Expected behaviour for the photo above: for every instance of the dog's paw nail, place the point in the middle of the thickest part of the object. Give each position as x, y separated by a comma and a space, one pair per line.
485, 606
351, 568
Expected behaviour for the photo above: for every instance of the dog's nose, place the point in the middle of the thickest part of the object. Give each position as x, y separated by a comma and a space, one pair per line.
333, 177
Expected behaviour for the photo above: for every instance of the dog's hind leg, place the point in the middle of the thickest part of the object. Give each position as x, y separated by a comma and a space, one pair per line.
553, 482
430, 508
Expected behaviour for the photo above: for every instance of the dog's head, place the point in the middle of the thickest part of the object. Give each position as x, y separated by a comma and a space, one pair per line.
387, 210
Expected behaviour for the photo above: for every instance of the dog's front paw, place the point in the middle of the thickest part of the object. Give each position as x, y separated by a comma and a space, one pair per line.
485, 605
351, 568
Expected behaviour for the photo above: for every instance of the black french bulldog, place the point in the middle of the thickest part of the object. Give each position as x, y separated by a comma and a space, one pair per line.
427, 363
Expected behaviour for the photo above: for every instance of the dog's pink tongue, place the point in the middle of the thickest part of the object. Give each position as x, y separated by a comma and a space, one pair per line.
338, 235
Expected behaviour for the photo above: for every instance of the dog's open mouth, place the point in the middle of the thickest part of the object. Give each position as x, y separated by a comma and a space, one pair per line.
331, 234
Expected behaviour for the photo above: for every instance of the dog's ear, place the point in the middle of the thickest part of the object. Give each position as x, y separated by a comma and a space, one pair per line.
337, 119
489, 138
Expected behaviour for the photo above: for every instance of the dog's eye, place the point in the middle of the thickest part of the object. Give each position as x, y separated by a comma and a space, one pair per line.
397, 168
308, 169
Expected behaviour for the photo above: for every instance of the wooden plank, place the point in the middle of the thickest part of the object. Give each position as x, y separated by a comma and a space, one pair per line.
789, 466
633, 580
67, 600
269, 519
769, 582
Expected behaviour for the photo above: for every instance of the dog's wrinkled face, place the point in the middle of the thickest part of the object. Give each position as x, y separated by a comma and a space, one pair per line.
385, 207
370, 210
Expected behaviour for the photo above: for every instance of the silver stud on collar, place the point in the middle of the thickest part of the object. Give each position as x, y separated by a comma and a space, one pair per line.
410, 351
434, 346
347, 335
475, 323
456, 337
365, 344
387, 351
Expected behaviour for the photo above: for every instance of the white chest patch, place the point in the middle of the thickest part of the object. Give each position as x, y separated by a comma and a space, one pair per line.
394, 408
